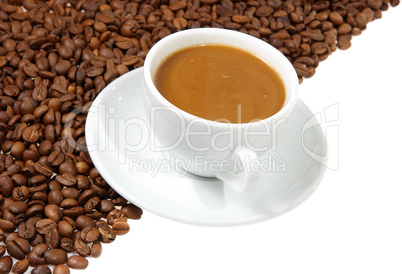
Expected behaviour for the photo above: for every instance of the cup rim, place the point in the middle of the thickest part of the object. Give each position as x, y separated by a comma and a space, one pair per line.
148, 81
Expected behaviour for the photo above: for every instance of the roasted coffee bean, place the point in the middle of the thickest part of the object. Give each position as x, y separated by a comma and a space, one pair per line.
73, 212
36, 256
43, 169
53, 212
37, 209
6, 263
21, 266
91, 204
55, 256
90, 234
105, 206
106, 234
7, 226
84, 221
2, 235
52, 238
121, 228
82, 182
66, 179
82, 248
69, 167
96, 249
26, 230
65, 229
41, 269
69, 203
37, 180
18, 207
55, 197
116, 215
56, 158
2, 250
77, 262
61, 269
132, 211
67, 244
18, 248
19, 179
45, 225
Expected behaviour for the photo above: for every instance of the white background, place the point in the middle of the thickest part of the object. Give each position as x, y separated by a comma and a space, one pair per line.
351, 224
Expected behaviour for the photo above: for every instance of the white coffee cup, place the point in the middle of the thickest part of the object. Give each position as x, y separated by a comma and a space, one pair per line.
208, 148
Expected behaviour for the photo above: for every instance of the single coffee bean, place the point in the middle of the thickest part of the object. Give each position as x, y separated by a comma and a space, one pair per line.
18, 207
91, 204
55, 256
132, 211
26, 230
21, 266
70, 193
19, 179
82, 248
83, 221
106, 234
66, 179
116, 215
45, 148
96, 249
43, 169
45, 225
105, 206
69, 167
18, 248
61, 269
39, 93
62, 67
17, 149
74, 212
90, 234
69, 203
7, 186
52, 238
37, 209
77, 262
7, 226
41, 269
55, 197
56, 158
53, 212
37, 180
6, 263
82, 182
121, 228
67, 244
65, 229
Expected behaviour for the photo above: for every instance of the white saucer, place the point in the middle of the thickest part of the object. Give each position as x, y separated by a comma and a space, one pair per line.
116, 124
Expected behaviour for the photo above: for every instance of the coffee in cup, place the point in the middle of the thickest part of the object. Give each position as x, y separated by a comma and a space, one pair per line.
220, 83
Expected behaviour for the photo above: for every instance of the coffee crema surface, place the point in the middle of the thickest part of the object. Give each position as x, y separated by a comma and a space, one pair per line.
221, 83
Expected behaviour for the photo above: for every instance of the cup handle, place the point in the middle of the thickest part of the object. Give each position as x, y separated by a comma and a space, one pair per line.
244, 180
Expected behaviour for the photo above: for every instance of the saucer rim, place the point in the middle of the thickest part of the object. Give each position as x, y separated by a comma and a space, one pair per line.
109, 177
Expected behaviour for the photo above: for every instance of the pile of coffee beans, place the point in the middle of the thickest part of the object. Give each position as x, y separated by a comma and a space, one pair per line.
56, 56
